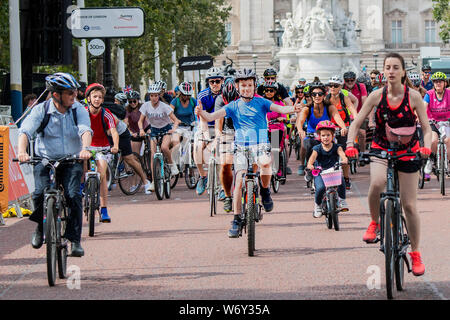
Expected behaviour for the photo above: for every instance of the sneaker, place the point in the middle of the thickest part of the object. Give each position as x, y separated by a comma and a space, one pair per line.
288, 170
317, 211
427, 177
371, 233
301, 170
148, 187
428, 167
348, 184
266, 199
235, 229
201, 185
104, 216
221, 195
174, 169
343, 205
418, 268
228, 204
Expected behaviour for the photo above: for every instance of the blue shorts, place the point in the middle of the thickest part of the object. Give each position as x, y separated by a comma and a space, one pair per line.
158, 131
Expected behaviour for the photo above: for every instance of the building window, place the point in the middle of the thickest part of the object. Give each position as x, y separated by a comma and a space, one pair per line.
228, 33
396, 30
430, 31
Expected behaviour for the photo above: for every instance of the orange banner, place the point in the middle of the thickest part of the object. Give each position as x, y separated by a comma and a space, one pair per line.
4, 155
17, 185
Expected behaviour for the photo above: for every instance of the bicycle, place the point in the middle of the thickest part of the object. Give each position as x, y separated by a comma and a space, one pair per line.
118, 170
295, 143
332, 178
55, 216
440, 169
161, 171
186, 158
213, 186
276, 179
251, 206
394, 239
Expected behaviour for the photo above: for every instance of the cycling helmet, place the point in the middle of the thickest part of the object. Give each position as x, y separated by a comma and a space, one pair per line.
134, 95
121, 97
229, 92
271, 84
381, 78
317, 85
415, 78
154, 88
438, 76
349, 75
162, 84
270, 72
213, 73
426, 67
61, 81
186, 88
326, 124
93, 86
302, 80
243, 74
335, 80
300, 87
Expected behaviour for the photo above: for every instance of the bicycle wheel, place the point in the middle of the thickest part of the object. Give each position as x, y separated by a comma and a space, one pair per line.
275, 184
298, 146
400, 260
51, 241
158, 178
145, 162
251, 215
334, 212
110, 175
389, 251
326, 209
129, 181
283, 163
174, 180
167, 181
212, 187
92, 190
62, 248
421, 182
442, 168
191, 176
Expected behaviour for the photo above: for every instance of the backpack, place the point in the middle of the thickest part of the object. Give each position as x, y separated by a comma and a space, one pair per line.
46, 119
343, 105
116, 109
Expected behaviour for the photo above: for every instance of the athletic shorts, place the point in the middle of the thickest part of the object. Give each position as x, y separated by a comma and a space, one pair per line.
226, 143
410, 166
257, 151
124, 143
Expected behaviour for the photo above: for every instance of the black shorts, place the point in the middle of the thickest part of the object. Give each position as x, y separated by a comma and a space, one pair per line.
342, 141
124, 143
410, 166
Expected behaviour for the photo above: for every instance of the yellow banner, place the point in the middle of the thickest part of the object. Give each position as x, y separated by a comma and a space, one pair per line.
4, 155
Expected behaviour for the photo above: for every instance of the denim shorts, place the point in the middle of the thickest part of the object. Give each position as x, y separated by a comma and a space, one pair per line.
158, 131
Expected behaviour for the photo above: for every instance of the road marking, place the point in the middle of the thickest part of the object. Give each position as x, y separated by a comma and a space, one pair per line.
30, 270
433, 287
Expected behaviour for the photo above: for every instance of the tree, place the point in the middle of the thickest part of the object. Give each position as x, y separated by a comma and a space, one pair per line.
4, 36
441, 13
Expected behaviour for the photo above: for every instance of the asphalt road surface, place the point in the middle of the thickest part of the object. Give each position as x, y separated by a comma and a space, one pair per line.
172, 249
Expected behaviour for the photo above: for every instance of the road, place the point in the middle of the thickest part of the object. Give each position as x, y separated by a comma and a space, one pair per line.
172, 249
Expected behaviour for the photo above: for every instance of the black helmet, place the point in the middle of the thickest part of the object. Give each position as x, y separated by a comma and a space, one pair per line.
270, 72
300, 87
243, 74
229, 92
133, 95
426, 67
317, 85
349, 75
271, 84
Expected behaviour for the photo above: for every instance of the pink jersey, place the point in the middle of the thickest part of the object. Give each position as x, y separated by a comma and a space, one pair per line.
274, 115
439, 110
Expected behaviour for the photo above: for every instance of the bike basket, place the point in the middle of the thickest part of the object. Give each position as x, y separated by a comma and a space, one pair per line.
331, 177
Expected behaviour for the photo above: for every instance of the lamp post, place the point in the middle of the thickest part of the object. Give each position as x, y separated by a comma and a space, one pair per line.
255, 58
277, 33
375, 55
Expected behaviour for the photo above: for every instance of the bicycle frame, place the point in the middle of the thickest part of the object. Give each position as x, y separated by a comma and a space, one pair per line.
246, 177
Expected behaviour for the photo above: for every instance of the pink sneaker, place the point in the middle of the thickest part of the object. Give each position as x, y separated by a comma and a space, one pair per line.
418, 268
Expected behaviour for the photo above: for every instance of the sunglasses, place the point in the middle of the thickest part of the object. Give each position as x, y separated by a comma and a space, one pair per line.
375, 78
334, 85
215, 81
270, 78
427, 72
317, 94
349, 80
132, 101
269, 91
299, 91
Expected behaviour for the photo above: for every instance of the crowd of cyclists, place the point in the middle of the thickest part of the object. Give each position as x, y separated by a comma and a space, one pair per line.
334, 119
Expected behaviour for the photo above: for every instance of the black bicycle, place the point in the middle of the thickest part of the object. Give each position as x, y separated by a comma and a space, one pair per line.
55, 216
394, 239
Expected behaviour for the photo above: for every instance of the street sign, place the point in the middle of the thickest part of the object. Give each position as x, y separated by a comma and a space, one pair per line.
96, 47
117, 22
195, 63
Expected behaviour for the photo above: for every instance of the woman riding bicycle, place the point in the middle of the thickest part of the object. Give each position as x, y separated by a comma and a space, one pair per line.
160, 117
437, 103
132, 118
397, 107
318, 110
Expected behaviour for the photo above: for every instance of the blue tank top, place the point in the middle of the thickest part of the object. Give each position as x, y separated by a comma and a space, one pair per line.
313, 121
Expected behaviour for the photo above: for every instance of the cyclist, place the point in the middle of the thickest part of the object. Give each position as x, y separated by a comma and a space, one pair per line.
102, 124
206, 100
271, 75
67, 132
183, 108
347, 112
426, 74
326, 155
164, 96
160, 116
131, 120
225, 130
414, 82
315, 112
374, 79
437, 103
249, 119
396, 107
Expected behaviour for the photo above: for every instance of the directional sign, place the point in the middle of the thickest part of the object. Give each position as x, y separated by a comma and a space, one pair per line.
195, 63
123, 22
96, 47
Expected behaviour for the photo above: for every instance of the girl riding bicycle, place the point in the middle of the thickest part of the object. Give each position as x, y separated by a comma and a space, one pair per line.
397, 107
326, 155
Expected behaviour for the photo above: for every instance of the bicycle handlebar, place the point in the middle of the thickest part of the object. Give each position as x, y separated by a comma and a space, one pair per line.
384, 155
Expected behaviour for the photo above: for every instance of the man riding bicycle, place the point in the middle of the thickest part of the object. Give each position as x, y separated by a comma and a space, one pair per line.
66, 133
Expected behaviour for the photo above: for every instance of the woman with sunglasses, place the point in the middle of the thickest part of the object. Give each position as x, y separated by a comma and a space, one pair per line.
319, 110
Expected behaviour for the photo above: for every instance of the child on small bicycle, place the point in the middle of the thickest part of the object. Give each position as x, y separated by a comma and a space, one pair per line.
326, 155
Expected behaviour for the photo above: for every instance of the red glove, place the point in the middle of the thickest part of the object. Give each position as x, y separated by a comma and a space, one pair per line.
351, 152
425, 151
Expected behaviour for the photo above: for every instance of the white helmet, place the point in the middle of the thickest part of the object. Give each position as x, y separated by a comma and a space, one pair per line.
154, 88
186, 88
162, 84
214, 73
336, 80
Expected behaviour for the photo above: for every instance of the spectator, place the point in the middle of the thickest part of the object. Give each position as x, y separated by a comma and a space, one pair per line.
29, 100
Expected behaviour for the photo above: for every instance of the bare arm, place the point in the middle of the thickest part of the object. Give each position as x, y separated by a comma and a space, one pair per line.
175, 120
285, 109
341, 153
208, 117
141, 125
418, 105
115, 138
350, 107
311, 160
336, 116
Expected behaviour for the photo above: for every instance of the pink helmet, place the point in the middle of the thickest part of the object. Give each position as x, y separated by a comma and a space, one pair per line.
326, 124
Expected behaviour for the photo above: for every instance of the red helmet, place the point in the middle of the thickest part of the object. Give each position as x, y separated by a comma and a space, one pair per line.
93, 86
326, 124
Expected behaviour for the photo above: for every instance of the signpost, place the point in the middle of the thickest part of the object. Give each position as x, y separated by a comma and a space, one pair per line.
96, 47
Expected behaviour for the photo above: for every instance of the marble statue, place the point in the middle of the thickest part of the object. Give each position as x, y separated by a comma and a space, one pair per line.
318, 25
290, 32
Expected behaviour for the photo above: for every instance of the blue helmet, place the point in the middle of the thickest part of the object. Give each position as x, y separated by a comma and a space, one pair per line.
61, 81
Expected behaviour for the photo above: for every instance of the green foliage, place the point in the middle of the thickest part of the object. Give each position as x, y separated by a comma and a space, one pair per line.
441, 13
4, 36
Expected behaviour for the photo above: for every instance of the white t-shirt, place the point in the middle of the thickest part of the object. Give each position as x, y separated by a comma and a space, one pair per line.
158, 117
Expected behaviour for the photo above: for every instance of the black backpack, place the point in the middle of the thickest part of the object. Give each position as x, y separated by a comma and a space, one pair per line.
46, 119
117, 110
